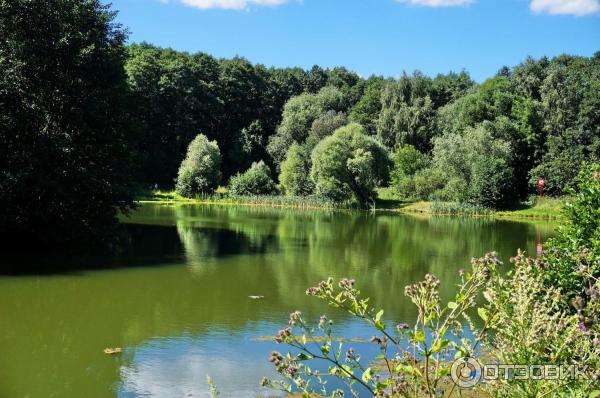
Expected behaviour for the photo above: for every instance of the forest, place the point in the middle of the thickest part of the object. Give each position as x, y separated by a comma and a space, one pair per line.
87, 120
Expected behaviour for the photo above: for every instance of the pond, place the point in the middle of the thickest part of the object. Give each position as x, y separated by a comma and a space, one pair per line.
177, 299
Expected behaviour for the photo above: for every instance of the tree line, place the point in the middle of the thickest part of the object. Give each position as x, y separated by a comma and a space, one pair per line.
86, 119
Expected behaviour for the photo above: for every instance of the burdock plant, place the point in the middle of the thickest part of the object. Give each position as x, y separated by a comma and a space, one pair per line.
413, 361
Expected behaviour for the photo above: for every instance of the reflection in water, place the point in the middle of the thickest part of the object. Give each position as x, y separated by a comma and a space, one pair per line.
177, 301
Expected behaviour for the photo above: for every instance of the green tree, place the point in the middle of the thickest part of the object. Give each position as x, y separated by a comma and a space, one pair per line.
349, 164
255, 181
407, 113
299, 114
295, 169
457, 157
450, 87
324, 126
366, 111
200, 171
64, 158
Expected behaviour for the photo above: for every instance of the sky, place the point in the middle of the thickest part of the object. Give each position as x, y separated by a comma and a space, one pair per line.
381, 37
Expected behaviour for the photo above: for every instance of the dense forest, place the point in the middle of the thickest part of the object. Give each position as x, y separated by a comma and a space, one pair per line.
87, 119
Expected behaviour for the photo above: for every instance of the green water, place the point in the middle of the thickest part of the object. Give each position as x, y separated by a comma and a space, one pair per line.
176, 300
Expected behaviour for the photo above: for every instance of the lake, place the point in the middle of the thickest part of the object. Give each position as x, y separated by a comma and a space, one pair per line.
177, 298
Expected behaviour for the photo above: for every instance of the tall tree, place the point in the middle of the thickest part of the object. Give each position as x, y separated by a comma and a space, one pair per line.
63, 159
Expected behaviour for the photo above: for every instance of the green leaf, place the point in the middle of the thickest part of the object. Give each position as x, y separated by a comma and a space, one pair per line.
408, 369
452, 305
366, 376
439, 345
459, 354
443, 372
482, 312
418, 336
594, 394
378, 316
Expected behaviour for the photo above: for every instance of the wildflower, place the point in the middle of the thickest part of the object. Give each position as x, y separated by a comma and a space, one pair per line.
295, 318
311, 291
402, 326
350, 354
322, 320
283, 335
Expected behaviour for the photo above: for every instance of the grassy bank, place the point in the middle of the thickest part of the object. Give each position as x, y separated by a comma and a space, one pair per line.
221, 198
536, 208
540, 208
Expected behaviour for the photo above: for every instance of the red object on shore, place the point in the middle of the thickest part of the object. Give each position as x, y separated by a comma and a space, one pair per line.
541, 184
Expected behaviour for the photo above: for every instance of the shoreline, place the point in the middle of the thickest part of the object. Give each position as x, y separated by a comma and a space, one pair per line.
545, 209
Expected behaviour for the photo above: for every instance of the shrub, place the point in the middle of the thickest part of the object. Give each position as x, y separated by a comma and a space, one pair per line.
407, 162
200, 171
456, 189
295, 169
492, 184
577, 245
349, 164
427, 181
255, 181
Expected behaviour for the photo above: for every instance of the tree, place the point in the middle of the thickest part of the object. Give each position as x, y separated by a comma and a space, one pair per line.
299, 114
173, 95
295, 169
450, 87
461, 158
64, 158
200, 171
406, 116
255, 181
324, 126
366, 111
349, 164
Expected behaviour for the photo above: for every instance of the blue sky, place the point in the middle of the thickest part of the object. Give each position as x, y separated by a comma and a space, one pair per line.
383, 37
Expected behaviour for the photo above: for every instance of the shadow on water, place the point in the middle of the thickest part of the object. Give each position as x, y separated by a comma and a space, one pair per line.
141, 246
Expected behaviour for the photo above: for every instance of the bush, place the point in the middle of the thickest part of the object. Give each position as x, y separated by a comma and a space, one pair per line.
492, 184
577, 247
349, 164
456, 189
407, 162
255, 181
426, 182
295, 169
200, 171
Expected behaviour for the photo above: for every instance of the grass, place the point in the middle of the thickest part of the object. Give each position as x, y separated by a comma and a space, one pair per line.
545, 207
535, 208
220, 197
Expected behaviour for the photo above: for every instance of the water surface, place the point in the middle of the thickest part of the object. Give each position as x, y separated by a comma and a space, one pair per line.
177, 300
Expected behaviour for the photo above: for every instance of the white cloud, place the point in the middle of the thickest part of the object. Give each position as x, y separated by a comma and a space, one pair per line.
565, 7
437, 3
231, 4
